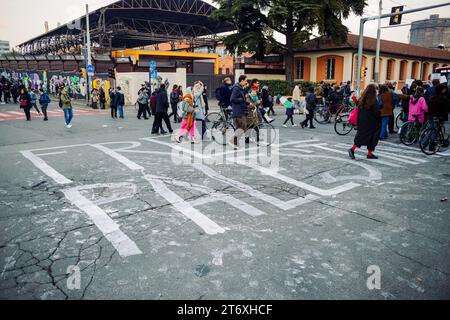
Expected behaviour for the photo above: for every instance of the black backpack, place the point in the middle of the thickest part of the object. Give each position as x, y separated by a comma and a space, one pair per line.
218, 94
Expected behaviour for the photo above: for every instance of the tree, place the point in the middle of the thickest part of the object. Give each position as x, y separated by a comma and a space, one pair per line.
256, 22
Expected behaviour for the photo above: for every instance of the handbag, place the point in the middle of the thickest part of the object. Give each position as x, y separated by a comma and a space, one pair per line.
23, 103
353, 117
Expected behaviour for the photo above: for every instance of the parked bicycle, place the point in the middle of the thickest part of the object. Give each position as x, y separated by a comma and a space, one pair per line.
401, 118
432, 139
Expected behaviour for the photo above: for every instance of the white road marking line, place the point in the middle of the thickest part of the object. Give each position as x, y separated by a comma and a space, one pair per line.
110, 229
60, 147
45, 168
399, 158
209, 226
50, 153
238, 204
124, 160
375, 161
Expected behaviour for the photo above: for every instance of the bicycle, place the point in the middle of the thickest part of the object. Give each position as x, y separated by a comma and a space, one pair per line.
324, 113
342, 125
221, 125
260, 132
432, 139
411, 130
399, 119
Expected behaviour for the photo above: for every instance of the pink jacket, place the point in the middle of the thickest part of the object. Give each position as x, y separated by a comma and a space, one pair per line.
419, 108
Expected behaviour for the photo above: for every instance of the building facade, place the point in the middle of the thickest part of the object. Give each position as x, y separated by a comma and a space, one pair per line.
322, 60
431, 33
4, 46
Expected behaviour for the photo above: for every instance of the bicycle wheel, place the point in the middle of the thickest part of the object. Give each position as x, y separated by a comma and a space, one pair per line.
430, 141
342, 126
263, 135
322, 115
222, 131
408, 133
213, 117
399, 120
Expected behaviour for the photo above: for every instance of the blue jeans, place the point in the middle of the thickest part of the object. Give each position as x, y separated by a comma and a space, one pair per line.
121, 115
68, 115
384, 125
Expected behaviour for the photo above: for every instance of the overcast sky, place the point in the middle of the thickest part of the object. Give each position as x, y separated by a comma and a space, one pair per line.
21, 20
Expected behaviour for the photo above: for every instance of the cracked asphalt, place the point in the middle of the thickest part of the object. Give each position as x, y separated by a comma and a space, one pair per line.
307, 230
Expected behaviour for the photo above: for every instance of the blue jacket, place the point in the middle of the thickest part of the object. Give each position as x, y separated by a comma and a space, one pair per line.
44, 100
119, 99
238, 102
430, 92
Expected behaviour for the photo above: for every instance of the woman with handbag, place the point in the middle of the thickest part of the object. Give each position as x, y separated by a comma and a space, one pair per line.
369, 123
25, 103
187, 122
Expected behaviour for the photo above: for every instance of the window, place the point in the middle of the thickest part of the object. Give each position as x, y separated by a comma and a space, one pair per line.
331, 67
379, 68
402, 75
220, 70
390, 69
414, 70
425, 72
227, 70
300, 69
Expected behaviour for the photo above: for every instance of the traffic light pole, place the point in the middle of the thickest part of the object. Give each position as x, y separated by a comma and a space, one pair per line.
382, 16
376, 75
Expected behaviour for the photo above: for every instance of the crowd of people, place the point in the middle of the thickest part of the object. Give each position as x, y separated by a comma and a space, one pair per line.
251, 105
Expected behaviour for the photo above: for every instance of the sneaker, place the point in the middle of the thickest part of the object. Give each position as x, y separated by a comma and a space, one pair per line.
351, 153
177, 139
302, 125
45, 119
285, 126
372, 156
163, 132
294, 125
312, 127
69, 126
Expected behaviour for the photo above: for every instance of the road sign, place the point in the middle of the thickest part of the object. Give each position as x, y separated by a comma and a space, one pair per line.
152, 65
90, 70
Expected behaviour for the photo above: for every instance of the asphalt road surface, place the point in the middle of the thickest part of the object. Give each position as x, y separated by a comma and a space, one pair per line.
103, 210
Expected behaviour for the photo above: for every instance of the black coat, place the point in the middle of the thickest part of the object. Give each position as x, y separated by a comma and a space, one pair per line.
265, 98
439, 106
369, 125
162, 101
238, 102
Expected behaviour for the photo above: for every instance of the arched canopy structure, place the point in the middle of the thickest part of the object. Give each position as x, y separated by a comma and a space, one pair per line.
133, 23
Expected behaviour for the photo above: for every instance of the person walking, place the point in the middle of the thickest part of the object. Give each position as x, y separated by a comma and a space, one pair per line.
240, 107
369, 123
120, 102
174, 99
199, 105
66, 105
143, 104
289, 106
14, 92
112, 103
188, 121
33, 102
311, 103
162, 105
385, 104
44, 101
25, 103
267, 103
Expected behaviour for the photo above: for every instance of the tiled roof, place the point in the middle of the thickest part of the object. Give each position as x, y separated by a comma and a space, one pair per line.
387, 47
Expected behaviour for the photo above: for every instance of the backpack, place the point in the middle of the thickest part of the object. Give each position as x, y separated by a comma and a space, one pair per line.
218, 94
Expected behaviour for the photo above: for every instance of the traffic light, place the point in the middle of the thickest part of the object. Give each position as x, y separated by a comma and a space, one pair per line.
397, 19
363, 72
111, 73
